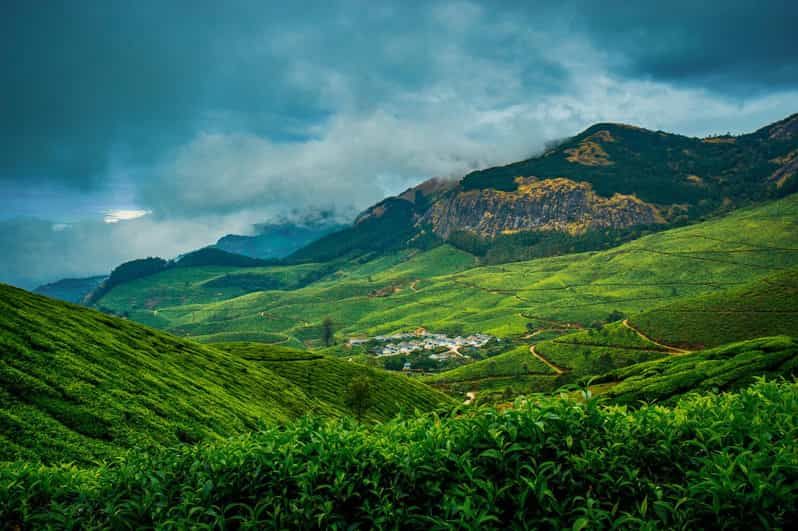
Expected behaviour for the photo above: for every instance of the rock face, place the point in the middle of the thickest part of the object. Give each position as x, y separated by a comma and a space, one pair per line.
538, 205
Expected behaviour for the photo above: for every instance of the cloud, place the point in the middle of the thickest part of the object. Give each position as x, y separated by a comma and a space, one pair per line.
115, 216
212, 118
38, 251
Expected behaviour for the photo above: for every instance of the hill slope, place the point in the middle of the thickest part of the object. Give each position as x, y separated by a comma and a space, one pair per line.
765, 307
326, 379
724, 368
79, 385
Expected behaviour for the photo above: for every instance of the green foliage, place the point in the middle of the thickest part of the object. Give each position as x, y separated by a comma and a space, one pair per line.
327, 332
715, 461
359, 396
767, 306
77, 385
724, 368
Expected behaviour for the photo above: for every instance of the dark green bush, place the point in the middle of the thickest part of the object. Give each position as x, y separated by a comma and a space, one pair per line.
714, 461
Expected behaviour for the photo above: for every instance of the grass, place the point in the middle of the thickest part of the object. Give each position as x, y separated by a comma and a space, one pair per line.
723, 368
81, 386
441, 290
714, 461
767, 306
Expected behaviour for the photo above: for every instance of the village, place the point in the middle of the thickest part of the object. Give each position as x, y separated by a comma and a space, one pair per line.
441, 345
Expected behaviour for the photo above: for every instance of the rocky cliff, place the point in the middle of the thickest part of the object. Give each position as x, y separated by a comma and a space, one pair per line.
557, 204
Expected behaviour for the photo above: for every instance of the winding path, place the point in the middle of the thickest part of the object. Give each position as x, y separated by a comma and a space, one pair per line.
672, 350
550, 365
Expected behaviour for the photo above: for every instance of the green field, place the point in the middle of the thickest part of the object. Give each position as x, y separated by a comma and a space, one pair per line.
765, 307
442, 291
716, 461
78, 385
723, 368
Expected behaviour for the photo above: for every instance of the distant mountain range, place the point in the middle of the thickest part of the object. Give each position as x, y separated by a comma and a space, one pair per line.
70, 289
277, 240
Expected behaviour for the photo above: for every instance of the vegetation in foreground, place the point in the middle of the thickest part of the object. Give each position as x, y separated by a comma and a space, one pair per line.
713, 461
78, 385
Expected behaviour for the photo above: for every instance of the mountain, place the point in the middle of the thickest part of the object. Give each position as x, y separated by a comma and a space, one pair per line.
610, 183
78, 385
391, 224
276, 240
70, 289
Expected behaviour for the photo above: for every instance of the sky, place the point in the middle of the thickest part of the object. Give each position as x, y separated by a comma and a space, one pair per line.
146, 128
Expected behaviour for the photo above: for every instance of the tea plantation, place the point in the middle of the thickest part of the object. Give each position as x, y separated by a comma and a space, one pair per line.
78, 385
713, 461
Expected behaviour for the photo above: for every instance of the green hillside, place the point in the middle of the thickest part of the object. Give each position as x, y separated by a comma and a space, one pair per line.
79, 385
326, 380
441, 290
724, 368
515, 363
765, 307
709, 462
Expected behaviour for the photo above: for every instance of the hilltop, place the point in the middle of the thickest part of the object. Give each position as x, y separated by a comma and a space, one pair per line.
609, 183
78, 385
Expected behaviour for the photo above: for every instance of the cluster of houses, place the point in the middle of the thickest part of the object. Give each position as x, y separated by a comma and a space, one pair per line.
421, 340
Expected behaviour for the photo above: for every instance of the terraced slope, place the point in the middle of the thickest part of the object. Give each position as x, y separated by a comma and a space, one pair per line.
326, 380
442, 291
79, 385
724, 368
765, 307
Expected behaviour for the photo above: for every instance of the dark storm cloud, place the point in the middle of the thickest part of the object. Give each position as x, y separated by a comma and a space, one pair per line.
212, 116
92, 86
733, 47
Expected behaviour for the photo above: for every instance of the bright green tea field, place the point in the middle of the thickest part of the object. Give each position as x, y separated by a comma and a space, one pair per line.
441, 289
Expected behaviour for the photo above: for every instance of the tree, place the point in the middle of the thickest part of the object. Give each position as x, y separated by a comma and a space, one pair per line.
359, 396
615, 316
327, 332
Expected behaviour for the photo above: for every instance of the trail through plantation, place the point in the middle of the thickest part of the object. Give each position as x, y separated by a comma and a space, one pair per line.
549, 364
672, 350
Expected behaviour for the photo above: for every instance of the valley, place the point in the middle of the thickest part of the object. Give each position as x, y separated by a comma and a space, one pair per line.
452, 340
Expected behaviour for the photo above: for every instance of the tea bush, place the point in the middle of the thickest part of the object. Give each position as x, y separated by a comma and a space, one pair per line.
711, 461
